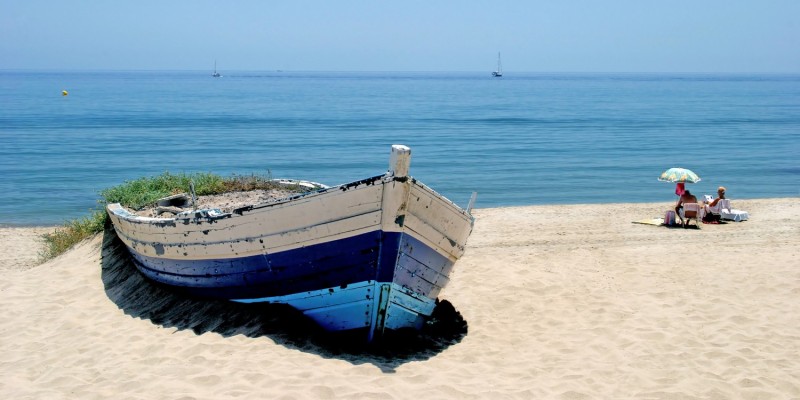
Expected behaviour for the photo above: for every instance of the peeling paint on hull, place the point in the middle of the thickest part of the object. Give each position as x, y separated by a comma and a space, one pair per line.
372, 254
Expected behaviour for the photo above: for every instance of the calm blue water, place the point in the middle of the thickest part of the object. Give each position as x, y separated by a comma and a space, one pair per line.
521, 139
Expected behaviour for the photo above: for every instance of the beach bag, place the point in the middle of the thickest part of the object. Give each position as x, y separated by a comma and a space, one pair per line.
711, 217
669, 218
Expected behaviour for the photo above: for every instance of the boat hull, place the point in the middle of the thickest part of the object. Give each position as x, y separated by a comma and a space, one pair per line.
370, 254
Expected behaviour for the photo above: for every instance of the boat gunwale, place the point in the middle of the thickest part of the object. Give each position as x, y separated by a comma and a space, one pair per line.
122, 212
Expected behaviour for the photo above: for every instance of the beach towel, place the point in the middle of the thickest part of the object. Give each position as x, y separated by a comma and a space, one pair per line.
680, 189
650, 221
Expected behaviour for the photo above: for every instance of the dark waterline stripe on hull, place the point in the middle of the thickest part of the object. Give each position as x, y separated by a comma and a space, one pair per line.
370, 256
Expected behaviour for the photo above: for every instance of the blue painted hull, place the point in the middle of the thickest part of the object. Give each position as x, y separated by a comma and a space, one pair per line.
387, 257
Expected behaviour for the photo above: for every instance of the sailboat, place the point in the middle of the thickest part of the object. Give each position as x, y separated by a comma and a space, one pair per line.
216, 74
499, 72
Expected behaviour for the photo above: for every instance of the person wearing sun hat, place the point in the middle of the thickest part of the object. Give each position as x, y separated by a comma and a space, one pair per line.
713, 206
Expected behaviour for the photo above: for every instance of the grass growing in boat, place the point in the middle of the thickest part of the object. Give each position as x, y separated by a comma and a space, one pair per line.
144, 192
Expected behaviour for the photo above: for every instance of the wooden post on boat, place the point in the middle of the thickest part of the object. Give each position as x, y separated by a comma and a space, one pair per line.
400, 160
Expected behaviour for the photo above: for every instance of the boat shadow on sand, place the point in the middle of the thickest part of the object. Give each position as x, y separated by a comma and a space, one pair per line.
142, 298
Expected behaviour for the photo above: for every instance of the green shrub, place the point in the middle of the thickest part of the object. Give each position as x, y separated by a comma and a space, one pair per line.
71, 233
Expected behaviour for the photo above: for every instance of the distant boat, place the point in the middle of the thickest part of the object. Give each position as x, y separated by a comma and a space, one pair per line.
499, 72
216, 74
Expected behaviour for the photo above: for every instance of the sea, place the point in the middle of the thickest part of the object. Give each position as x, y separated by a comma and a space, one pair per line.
523, 139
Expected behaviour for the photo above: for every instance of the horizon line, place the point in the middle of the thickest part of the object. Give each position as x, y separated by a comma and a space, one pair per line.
274, 70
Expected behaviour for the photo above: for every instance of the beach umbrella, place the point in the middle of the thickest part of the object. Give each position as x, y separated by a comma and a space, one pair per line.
681, 175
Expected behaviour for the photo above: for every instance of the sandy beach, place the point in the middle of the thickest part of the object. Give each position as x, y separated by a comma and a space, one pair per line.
561, 301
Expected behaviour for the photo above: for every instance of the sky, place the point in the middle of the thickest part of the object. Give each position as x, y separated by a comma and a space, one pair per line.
706, 36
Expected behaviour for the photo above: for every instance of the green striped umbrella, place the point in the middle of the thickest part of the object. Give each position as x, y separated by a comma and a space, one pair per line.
679, 175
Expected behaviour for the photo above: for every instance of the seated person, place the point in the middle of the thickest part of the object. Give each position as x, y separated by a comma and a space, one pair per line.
686, 197
713, 206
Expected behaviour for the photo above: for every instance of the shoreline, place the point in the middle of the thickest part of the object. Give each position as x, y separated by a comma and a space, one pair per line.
15, 225
561, 301
20, 244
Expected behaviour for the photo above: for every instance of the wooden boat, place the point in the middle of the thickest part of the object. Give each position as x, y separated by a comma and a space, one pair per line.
369, 255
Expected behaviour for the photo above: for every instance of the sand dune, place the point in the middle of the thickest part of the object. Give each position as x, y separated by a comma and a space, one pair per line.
561, 302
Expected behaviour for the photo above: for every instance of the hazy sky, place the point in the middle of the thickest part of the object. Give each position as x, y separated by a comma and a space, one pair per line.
406, 35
